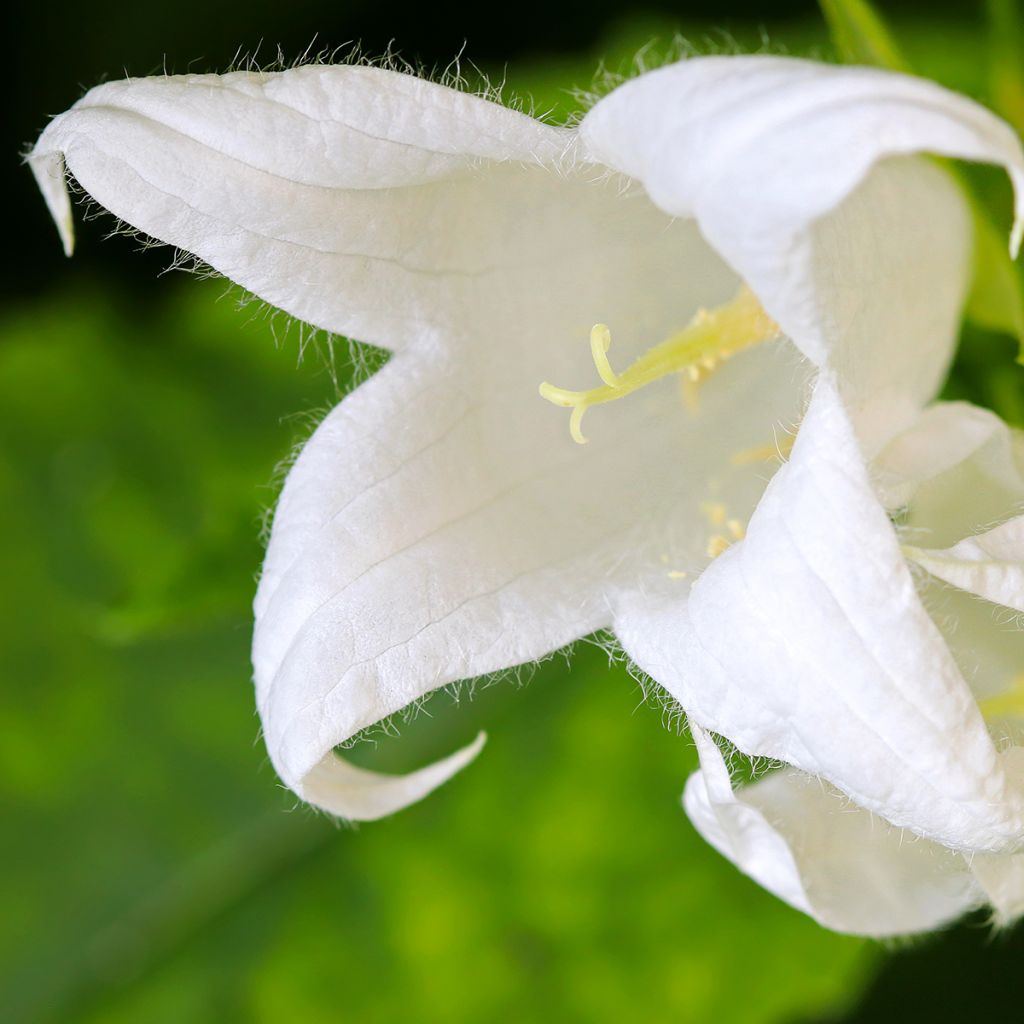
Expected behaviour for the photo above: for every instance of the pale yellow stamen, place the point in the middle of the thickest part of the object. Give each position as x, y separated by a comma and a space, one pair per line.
1009, 704
716, 545
764, 452
691, 391
677, 574
736, 528
711, 337
748, 456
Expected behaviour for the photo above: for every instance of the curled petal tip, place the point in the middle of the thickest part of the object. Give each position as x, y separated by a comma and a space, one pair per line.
48, 168
356, 794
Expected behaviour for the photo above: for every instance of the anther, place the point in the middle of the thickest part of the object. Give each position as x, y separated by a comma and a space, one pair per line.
764, 453
716, 545
1008, 704
715, 512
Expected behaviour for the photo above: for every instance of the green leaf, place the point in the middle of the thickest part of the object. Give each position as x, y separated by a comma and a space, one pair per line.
154, 872
861, 36
1006, 64
996, 298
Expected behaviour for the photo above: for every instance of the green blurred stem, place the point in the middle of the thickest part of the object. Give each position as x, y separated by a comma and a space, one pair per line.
861, 35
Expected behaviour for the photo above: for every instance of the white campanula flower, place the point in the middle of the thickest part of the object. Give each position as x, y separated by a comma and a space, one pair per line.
815, 643
712, 241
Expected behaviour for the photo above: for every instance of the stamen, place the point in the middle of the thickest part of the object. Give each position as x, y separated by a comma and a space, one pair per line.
702, 346
1009, 704
600, 342
716, 545
691, 390
764, 453
575, 421
714, 511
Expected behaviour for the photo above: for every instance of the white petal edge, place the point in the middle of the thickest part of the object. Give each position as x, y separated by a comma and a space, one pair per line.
324, 190
421, 540
989, 565
758, 148
852, 872
956, 472
356, 794
945, 435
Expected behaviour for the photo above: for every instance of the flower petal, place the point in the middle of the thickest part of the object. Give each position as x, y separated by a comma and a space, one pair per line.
807, 642
846, 868
775, 157
945, 436
353, 198
360, 795
433, 530
1002, 879
990, 564
395, 568
988, 644
954, 472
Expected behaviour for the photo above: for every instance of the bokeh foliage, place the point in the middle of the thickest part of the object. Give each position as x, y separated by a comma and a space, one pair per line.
153, 870
158, 874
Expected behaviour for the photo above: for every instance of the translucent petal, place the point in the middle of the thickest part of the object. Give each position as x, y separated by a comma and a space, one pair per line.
807, 642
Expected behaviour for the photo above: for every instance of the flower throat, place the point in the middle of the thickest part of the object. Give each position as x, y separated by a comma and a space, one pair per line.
711, 337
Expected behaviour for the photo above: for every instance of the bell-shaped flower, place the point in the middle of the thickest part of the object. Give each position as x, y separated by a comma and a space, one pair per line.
710, 239
816, 642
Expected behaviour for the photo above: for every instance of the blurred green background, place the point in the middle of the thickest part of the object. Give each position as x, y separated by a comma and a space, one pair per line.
152, 868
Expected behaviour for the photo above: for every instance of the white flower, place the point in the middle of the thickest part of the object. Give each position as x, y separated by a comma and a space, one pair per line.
810, 643
443, 524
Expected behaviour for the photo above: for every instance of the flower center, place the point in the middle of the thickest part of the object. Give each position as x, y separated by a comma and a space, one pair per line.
710, 338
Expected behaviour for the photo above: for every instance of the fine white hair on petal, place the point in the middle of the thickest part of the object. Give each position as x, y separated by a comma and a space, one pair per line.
311, 187
1002, 880
400, 563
